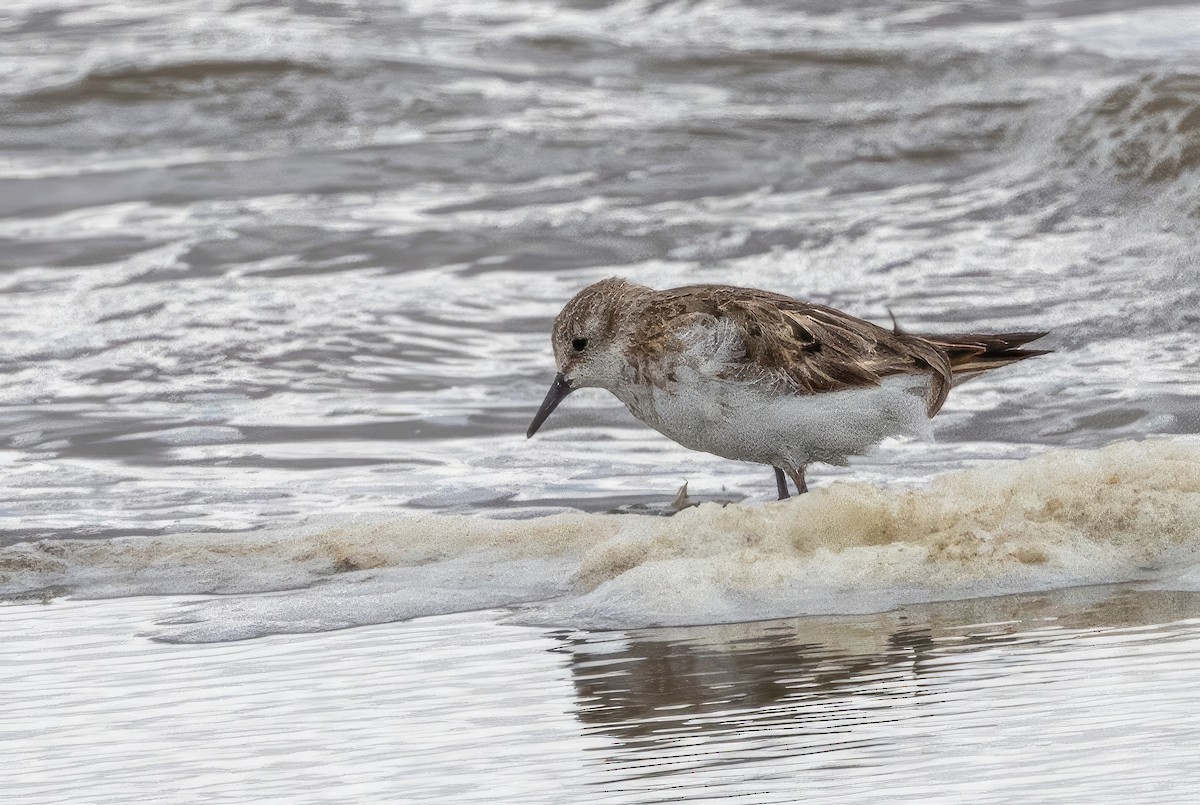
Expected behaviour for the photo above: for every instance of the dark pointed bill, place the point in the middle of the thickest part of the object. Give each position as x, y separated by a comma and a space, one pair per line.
558, 390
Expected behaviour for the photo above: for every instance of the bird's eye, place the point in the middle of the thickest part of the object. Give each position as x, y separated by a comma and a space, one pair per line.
579, 344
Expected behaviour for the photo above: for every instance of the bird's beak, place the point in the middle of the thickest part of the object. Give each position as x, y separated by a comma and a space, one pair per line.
559, 389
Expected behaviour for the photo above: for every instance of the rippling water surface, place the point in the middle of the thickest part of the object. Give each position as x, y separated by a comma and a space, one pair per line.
1087, 696
276, 282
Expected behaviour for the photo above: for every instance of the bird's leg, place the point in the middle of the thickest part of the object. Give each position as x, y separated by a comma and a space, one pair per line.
798, 480
781, 484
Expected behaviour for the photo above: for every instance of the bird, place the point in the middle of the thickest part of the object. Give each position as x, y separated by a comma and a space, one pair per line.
757, 376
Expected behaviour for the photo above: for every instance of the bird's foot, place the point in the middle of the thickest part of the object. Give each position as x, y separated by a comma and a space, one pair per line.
682, 501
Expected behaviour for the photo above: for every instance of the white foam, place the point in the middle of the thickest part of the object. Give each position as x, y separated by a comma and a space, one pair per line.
1128, 512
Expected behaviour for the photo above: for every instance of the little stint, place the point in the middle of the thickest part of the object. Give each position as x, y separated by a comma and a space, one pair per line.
757, 376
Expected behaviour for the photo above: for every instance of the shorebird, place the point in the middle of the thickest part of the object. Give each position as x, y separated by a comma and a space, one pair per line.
757, 376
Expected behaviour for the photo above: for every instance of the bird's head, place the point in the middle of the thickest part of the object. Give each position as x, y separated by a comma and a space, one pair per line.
589, 339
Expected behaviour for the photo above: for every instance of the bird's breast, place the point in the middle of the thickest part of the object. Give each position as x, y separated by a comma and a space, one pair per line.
753, 422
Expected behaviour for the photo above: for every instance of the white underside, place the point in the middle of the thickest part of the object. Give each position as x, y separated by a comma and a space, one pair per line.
748, 422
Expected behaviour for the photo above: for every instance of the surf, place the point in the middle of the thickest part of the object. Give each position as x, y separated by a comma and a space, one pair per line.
1129, 512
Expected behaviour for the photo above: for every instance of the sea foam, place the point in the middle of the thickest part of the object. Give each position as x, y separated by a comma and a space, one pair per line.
1127, 512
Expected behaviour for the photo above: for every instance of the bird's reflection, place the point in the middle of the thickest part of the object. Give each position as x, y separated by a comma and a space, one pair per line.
821, 679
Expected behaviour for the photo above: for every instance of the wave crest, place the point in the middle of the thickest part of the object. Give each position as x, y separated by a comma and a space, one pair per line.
1127, 512
1146, 132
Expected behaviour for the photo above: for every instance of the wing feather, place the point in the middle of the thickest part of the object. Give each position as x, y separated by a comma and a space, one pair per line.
799, 346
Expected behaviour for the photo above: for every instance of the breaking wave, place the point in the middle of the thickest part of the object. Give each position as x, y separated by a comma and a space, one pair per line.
1127, 512
1144, 132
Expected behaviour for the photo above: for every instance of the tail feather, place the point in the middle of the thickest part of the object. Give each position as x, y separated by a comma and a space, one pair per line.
970, 353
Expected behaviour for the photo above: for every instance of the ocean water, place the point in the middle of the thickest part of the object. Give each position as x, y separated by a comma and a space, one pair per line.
276, 285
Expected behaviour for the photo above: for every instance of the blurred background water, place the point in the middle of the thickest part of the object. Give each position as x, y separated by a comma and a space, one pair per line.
268, 259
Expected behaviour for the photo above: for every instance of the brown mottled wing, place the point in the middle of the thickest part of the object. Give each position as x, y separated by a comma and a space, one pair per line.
807, 347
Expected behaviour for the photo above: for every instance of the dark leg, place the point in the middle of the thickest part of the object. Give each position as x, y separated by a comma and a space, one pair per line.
798, 480
781, 484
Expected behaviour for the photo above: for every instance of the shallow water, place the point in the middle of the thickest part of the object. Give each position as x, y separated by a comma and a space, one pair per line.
276, 288
1083, 695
